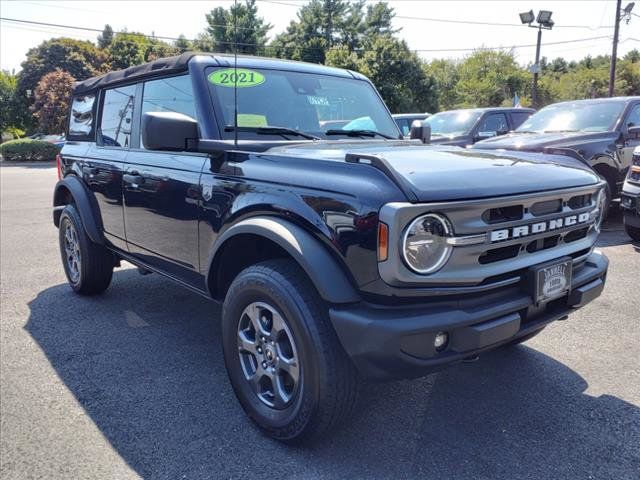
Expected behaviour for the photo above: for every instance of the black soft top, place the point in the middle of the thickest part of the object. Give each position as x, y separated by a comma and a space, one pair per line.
161, 66
179, 63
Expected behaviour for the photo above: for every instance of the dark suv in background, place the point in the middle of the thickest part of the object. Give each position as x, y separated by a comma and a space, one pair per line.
336, 252
602, 133
630, 199
465, 127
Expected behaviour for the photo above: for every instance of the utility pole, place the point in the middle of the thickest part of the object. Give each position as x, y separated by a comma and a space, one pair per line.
620, 15
614, 52
544, 22
534, 91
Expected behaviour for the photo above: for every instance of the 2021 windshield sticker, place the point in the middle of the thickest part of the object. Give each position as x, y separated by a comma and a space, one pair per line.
240, 77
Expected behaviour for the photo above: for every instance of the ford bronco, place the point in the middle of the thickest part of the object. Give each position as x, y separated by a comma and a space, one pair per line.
338, 252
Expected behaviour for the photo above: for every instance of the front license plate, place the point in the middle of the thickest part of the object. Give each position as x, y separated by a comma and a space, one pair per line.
552, 281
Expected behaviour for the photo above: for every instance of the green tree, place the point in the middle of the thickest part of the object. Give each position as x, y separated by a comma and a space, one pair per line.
323, 25
14, 111
183, 44
249, 33
82, 59
131, 48
51, 103
398, 74
489, 78
106, 37
446, 76
320, 26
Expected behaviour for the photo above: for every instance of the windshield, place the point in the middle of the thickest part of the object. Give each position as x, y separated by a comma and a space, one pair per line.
578, 116
456, 123
308, 103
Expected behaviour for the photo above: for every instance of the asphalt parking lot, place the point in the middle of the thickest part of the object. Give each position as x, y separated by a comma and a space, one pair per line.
132, 384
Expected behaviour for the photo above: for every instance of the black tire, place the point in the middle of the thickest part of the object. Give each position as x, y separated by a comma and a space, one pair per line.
327, 384
90, 272
633, 232
520, 340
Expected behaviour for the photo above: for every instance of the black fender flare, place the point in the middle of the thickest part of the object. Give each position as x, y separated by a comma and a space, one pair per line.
85, 204
321, 267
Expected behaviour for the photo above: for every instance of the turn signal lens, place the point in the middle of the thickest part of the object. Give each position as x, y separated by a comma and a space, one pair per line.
383, 242
59, 166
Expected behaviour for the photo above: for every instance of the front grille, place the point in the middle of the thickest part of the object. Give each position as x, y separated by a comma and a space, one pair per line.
499, 237
634, 171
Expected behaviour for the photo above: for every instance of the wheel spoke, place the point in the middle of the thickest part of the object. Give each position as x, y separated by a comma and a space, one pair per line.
245, 344
289, 366
278, 324
280, 396
253, 312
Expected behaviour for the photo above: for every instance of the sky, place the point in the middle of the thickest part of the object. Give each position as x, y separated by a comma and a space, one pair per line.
588, 22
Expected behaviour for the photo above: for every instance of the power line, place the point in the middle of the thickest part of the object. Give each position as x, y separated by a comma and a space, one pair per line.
447, 20
466, 49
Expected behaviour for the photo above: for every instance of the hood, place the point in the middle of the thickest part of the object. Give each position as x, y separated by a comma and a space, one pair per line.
537, 142
429, 173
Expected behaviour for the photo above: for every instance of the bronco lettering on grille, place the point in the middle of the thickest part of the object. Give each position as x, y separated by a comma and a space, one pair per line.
539, 227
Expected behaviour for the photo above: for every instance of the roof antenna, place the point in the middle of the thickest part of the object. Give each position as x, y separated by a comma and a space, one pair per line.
235, 73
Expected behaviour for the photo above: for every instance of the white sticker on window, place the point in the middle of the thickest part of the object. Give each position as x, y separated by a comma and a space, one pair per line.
314, 100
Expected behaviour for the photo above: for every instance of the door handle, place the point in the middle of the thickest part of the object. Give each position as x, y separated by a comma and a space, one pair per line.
133, 178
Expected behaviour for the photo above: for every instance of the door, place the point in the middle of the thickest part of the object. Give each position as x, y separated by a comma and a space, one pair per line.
162, 191
104, 165
629, 140
491, 125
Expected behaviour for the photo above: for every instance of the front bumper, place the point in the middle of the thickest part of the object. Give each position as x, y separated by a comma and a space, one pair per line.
630, 203
398, 342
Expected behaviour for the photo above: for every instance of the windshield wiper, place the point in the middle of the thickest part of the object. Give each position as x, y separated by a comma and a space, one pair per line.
272, 131
560, 131
358, 133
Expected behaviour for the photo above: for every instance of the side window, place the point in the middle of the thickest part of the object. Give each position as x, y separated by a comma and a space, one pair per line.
174, 94
117, 114
494, 122
633, 119
403, 123
81, 117
518, 118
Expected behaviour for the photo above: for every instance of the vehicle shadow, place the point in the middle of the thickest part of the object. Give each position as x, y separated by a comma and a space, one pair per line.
144, 361
612, 233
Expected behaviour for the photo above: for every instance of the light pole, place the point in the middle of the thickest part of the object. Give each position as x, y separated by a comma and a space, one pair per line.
620, 14
543, 21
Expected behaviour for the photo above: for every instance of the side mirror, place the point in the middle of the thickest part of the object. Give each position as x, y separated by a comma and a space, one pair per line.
168, 131
634, 131
421, 130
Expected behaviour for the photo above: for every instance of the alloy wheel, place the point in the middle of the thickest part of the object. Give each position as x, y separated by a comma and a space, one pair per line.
268, 355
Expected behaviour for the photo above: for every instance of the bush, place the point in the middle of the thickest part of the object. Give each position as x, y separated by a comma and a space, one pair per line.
27, 150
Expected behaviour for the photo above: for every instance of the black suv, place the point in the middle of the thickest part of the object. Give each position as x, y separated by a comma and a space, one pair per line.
337, 253
465, 127
602, 133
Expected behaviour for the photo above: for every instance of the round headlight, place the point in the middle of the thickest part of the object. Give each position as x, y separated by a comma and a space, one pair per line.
424, 246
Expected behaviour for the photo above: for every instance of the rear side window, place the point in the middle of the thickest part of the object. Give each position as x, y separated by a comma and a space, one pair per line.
117, 116
518, 118
495, 122
81, 117
174, 94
